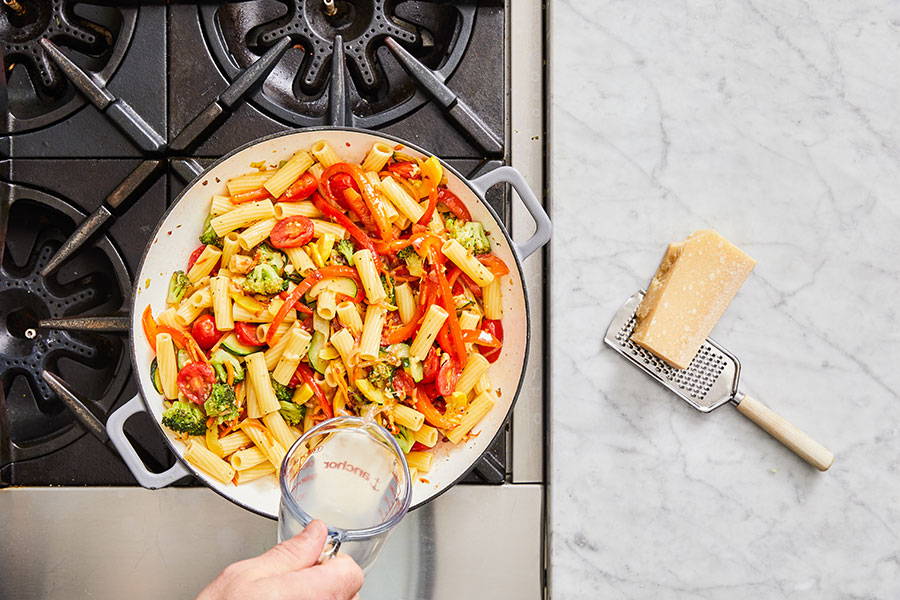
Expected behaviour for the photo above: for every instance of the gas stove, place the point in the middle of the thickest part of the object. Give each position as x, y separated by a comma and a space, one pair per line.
112, 108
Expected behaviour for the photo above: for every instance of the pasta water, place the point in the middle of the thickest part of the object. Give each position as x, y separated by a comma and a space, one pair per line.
352, 478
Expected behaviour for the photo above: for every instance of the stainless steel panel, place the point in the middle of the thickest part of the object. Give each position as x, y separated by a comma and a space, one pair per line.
99, 543
527, 155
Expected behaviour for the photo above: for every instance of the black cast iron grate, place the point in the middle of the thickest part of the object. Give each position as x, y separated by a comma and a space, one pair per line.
38, 92
436, 33
35, 421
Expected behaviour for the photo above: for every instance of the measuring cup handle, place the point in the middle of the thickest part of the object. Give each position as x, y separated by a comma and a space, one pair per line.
786, 432
332, 546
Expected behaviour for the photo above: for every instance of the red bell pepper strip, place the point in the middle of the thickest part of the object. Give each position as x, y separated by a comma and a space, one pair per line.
306, 375
368, 192
149, 326
481, 337
452, 320
257, 194
300, 189
355, 203
406, 331
341, 219
303, 287
494, 264
432, 204
432, 415
454, 204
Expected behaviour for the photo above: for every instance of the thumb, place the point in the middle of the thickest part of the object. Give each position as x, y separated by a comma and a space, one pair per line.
301, 551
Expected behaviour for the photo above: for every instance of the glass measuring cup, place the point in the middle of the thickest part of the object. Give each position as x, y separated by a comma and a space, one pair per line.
349, 473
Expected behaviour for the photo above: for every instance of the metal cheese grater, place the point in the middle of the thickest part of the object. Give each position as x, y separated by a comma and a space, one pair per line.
710, 381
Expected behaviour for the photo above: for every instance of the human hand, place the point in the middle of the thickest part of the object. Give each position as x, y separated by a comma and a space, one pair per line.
289, 571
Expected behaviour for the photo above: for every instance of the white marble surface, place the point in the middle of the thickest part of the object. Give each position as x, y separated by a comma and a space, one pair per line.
776, 122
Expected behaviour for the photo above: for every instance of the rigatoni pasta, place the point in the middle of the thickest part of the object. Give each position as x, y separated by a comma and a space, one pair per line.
331, 300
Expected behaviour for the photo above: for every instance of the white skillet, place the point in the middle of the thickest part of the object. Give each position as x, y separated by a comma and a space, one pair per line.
177, 235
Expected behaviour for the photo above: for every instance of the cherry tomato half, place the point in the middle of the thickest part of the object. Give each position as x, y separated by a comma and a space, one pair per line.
204, 331
340, 182
301, 189
453, 204
292, 232
447, 376
194, 256
495, 328
195, 381
403, 382
246, 333
430, 366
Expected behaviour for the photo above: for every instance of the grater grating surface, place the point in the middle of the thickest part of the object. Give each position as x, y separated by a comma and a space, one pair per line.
711, 379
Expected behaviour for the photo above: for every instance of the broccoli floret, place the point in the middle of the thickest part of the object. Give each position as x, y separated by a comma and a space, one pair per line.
346, 249
292, 413
185, 417
381, 375
221, 403
265, 254
178, 284
209, 234
387, 283
468, 233
413, 261
264, 279
282, 392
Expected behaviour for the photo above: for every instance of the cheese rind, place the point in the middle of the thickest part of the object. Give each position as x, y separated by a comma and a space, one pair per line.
694, 284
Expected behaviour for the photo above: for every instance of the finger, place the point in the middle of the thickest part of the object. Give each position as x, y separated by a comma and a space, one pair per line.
339, 578
301, 551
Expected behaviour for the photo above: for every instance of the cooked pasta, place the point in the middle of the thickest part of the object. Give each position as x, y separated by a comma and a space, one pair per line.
265, 441
247, 458
401, 199
368, 274
324, 153
221, 205
481, 405
253, 473
221, 303
377, 157
288, 173
428, 330
284, 210
256, 233
370, 340
384, 301
247, 183
467, 263
243, 216
201, 457
204, 264
493, 300
167, 366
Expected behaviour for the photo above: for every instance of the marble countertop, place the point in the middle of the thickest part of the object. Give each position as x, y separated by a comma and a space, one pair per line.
778, 124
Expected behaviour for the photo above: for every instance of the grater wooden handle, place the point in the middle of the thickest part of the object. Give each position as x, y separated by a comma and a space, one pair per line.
785, 432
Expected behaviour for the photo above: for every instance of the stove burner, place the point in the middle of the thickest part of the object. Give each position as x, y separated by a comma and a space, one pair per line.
380, 91
38, 91
33, 421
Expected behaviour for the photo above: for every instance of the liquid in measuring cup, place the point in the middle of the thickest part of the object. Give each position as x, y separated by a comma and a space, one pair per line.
350, 481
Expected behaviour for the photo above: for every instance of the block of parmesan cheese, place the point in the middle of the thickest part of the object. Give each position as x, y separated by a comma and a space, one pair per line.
692, 287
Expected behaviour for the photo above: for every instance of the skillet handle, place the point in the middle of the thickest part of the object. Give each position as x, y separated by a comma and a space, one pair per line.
542, 222
115, 427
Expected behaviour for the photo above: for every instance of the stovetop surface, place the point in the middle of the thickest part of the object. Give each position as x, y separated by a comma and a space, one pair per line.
167, 63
